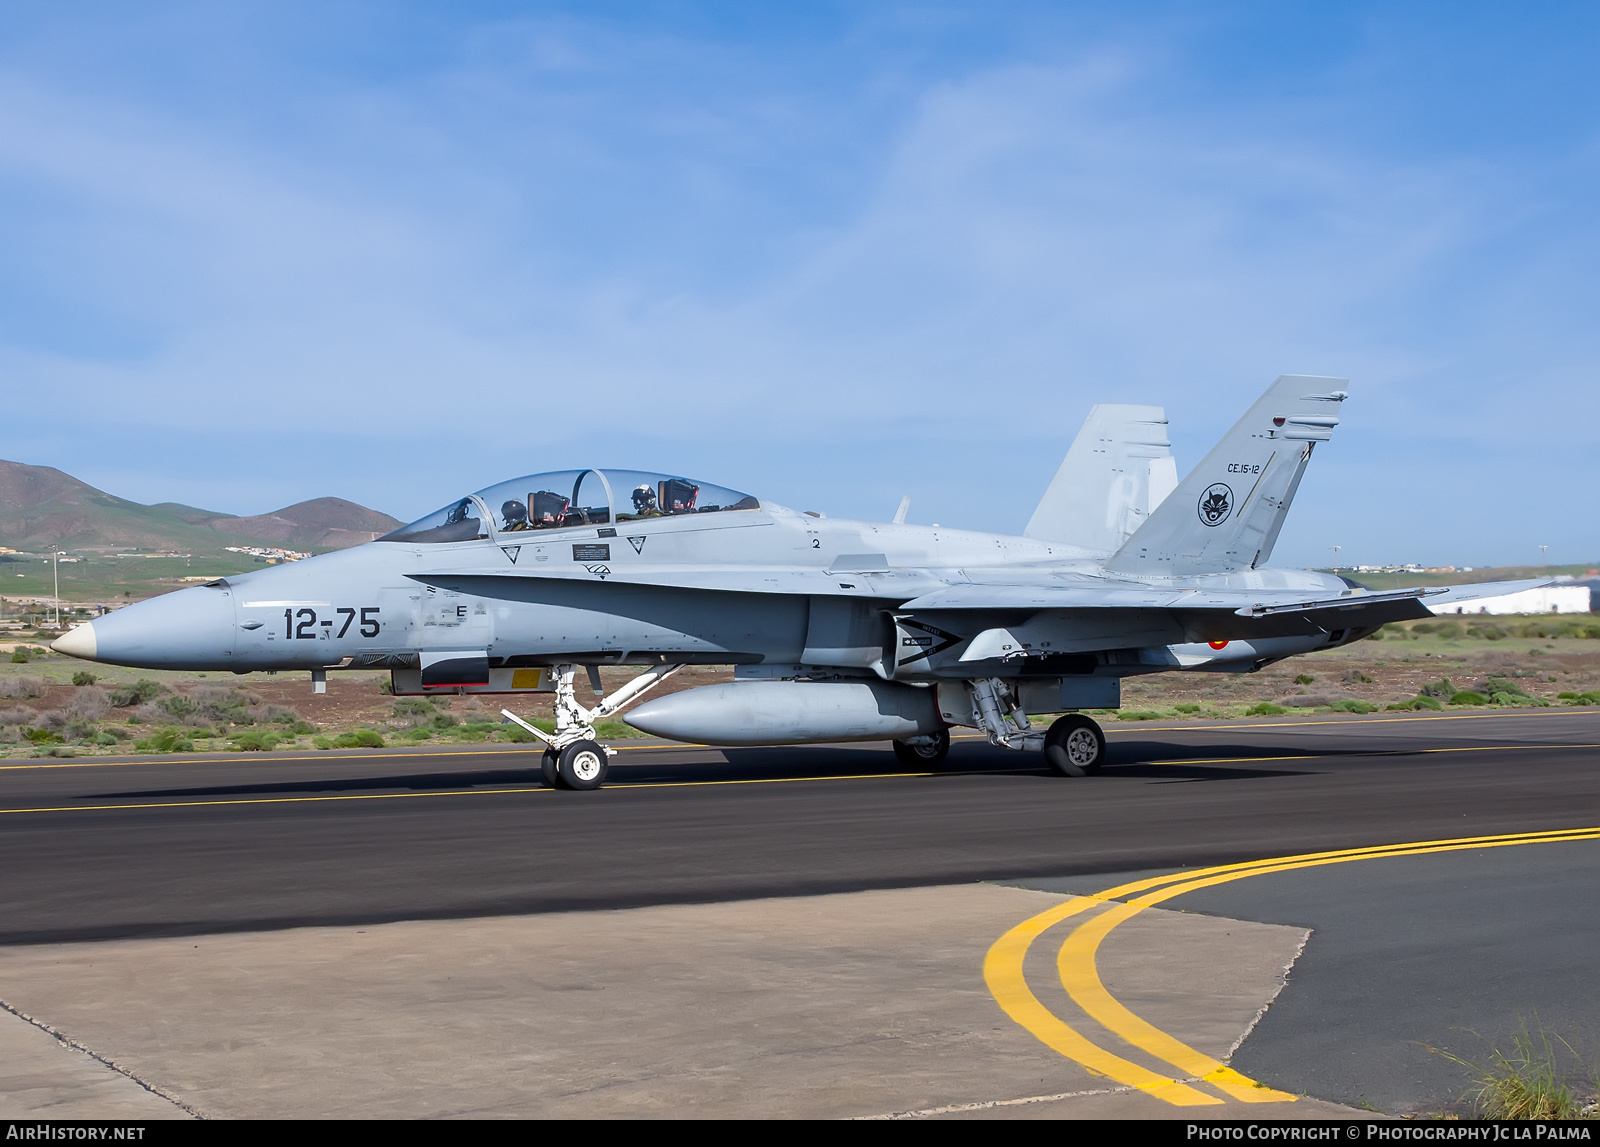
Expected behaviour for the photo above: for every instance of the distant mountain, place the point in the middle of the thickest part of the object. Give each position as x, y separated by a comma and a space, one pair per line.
42, 508
322, 523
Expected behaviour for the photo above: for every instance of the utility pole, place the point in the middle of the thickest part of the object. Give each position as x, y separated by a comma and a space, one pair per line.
1542, 550
1336, 550
55, 569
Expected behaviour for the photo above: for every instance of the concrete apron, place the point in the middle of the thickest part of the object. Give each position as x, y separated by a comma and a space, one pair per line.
858, 1004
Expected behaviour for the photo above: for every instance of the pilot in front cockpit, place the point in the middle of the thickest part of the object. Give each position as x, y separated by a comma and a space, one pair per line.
515, 515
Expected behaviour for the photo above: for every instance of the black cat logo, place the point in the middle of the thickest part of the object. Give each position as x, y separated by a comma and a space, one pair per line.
1216, 504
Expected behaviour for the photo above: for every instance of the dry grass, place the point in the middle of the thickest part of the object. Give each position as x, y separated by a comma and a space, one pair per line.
1530, 1081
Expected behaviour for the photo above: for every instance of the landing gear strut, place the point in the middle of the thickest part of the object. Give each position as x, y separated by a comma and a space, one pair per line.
1074, 746
573, 758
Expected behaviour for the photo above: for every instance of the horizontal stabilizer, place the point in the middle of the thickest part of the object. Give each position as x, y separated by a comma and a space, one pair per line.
1455, 594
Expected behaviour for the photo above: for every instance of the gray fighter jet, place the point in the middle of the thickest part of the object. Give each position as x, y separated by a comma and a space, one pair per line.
836, 630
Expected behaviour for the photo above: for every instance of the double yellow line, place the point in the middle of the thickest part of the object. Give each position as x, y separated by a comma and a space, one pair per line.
1075, 964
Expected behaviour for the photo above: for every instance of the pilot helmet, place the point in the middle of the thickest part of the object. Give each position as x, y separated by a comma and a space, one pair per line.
644, 497
514, 512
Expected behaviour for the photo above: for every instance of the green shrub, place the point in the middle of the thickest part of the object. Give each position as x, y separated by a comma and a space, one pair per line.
18, 657
1139, 715
1265, 709
43, 737
1303, 679
1446, 631
420, 733
1504, 685
165, 740
359, 739
412, 707
386, 688
1487, 632
138, 693
1187, 708
1356, 677
1468, 697
1440, 688
1523, 699
1420, 703
254, 741
177, 705
443, 721
517, 735
1353, 706
84, 677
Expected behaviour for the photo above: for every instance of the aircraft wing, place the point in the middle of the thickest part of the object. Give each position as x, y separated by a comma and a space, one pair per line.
1245, 603
1207, 615
1203, 614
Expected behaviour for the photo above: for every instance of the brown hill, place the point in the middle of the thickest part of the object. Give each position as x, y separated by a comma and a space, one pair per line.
42, 508
327, 523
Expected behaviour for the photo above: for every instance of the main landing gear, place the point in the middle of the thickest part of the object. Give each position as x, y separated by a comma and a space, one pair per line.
923, 752
1074, 746
573, 758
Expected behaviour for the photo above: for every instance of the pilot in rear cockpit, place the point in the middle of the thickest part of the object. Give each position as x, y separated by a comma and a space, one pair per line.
644, 501
515, 515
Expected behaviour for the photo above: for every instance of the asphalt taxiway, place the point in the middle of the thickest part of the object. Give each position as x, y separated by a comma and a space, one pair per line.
1407, 953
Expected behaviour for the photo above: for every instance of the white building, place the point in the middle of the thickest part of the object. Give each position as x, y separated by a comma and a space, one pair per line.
1547, 599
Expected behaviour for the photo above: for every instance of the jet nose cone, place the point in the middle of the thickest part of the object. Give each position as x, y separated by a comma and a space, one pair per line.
188, 629
79, 641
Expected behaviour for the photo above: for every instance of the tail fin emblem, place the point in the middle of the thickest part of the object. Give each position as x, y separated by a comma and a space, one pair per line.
1216, 503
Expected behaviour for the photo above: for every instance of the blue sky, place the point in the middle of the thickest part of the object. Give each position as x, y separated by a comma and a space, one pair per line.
830, 253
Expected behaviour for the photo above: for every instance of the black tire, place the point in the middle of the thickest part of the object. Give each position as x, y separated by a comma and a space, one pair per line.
1075, 746
925, 756
583, 765
549, 768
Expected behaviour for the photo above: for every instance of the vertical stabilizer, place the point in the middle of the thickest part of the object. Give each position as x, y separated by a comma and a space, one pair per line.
1118, 471
1227, 513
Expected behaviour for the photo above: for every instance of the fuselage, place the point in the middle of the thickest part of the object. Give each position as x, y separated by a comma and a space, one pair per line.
744, 593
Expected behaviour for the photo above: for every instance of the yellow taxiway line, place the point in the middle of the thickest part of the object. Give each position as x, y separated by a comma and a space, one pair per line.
307, 755
726, 782
131, 805
1076, 967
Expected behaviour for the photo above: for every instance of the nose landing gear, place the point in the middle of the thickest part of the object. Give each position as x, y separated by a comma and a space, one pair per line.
573, 757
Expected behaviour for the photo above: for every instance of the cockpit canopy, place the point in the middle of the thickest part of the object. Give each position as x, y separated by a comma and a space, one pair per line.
568, 498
